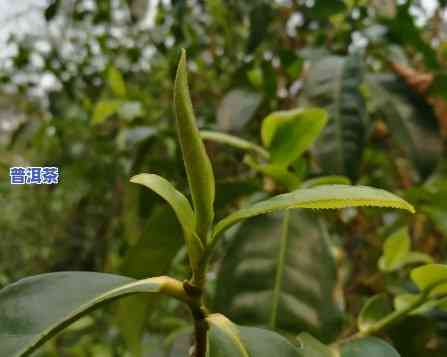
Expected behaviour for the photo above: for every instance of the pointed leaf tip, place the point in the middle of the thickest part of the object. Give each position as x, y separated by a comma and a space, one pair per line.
320, 197
197, 163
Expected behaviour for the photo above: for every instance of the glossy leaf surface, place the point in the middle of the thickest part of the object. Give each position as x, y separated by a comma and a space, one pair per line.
227, 339
34, 309
320, 197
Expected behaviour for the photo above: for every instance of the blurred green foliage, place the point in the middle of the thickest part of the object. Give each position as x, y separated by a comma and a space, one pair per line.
92, 95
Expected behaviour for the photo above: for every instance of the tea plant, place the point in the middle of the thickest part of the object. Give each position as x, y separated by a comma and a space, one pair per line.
34, 309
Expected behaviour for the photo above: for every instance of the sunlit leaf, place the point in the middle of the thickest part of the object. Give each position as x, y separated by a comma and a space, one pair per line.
395, 250
288, 134
431, 276
320, 197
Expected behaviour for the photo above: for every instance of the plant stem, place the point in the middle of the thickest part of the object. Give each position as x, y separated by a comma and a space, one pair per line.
200, 336
195, 291
391, 318
235, 142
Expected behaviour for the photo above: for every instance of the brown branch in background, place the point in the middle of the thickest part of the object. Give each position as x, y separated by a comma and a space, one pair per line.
420, 82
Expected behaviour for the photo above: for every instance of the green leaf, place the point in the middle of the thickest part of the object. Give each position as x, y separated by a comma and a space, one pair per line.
432, 277
321, 197
237, 108
151, 256
197, 164
234, 141
279, 272
280, 174
368, 347
289, 133
326, 180
395, 250
34, 309
261, 16
403, 301
104, 109
333, 83
322, 9
365, 347
229, 340
311, 347
411, 121
375, 309
116, 81
181, 207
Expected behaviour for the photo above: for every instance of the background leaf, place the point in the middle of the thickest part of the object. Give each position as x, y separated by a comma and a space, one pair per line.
280, 273
151, 256
104, 109
116, 81
430, 275
395, 249
236, 109
288, 134
413, 126
375, 309
333, 83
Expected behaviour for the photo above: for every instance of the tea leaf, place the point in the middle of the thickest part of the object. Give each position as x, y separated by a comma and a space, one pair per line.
34, 309
320, 197
198, 166
432, 277
227, 339
279, 272
289, 133
181, 207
